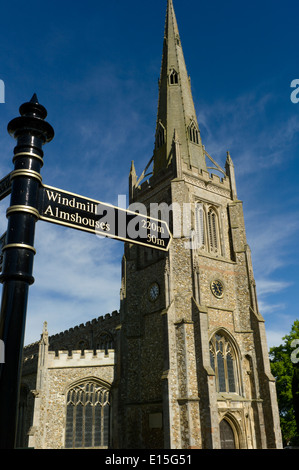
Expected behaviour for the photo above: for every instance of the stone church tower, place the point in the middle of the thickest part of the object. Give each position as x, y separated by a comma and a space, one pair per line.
192, 359
184, 363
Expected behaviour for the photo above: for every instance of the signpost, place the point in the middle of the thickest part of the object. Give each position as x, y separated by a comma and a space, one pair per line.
69, 209
2, 243
32, 201
5, 186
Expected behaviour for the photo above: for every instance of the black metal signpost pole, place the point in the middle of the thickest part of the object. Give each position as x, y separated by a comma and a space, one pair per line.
31, 132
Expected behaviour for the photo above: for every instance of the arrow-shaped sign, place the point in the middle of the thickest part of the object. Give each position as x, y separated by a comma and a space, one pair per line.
5, 186
71, 210
2, 243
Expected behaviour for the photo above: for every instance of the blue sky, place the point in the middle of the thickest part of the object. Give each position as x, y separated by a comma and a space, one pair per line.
95, 66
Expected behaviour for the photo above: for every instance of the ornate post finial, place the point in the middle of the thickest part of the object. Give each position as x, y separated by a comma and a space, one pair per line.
31, 120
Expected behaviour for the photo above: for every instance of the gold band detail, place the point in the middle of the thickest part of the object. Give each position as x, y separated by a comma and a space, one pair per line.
31, 173
34, 155
20, 208
19, 245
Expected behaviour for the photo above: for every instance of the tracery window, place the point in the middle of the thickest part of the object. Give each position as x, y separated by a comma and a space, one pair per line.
87, 416
224, 363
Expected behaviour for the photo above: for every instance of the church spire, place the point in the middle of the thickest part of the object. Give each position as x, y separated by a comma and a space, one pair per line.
176, 111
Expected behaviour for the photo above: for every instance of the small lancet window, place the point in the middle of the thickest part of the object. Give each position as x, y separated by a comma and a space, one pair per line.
213, 230
193, 133
173, 77
160, 135
200, 226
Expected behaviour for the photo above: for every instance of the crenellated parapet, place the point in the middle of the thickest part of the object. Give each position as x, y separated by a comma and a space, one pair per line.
93, 335
75, 358
95, 322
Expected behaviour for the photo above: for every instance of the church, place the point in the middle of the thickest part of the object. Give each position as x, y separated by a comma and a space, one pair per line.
183, 363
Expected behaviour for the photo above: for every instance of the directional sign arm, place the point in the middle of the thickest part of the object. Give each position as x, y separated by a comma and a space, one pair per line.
72, 210
5, 186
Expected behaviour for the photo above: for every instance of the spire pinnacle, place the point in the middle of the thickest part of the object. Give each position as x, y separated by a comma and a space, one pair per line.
171, 21
230, 171
132, 179
176, 111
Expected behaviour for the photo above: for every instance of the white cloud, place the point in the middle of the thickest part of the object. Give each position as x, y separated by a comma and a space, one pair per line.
272, 246
274, 338
269, 307
270, 236
268, 286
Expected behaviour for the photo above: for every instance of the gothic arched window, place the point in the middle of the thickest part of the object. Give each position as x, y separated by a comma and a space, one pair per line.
200, 226
87, 415
227, 437
224, 363
213, 230
207, 228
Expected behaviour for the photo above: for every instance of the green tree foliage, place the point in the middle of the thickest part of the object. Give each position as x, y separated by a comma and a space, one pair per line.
286, 374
